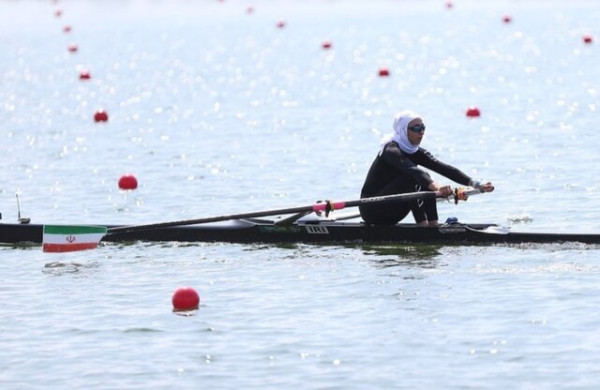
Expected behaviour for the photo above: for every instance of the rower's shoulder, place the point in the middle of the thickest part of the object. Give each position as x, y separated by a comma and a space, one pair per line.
424, 154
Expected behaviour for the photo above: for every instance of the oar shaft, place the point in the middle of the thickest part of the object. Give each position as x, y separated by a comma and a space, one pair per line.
318, 207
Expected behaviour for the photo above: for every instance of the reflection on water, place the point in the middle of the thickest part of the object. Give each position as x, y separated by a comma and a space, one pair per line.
414, 255
20, 246
141, 330
58, 268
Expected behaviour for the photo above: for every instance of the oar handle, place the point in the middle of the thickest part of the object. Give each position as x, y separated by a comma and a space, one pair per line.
463, 194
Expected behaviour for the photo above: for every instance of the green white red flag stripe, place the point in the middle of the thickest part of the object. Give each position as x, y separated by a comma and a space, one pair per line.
58, 238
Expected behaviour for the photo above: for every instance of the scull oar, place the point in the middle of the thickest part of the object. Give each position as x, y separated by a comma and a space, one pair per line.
62, 238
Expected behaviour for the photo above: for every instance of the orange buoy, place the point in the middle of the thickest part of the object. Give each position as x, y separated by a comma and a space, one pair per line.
384, 72
473, 112
185, 298
128, 182
100, 116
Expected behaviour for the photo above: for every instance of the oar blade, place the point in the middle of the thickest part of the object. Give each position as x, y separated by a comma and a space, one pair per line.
69, 238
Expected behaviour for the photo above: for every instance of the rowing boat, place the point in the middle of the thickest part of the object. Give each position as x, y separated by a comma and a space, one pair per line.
310, 224
313, 230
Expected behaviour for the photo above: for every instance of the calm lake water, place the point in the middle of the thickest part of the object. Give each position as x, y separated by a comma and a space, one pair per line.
216, 110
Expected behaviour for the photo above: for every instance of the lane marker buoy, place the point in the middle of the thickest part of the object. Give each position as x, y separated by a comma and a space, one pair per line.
128, 182
185, 299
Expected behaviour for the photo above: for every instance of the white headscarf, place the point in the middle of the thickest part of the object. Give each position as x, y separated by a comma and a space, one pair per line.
400, 135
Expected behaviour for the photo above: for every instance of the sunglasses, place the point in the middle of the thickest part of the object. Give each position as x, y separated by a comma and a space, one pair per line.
417, 128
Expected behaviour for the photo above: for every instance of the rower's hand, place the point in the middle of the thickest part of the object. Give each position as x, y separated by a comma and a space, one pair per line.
486, 187
445, 191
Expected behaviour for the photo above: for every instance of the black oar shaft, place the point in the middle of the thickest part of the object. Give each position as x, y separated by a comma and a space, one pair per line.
326, 206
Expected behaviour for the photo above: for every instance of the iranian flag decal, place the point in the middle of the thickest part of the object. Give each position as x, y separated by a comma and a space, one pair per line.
71, 238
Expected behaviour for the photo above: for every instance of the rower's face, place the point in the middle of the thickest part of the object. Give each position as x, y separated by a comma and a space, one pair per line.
413, 136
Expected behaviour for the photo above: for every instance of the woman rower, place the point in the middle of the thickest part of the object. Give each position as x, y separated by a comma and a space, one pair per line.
396, 170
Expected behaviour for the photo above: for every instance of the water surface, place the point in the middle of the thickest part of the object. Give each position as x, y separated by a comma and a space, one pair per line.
217, 111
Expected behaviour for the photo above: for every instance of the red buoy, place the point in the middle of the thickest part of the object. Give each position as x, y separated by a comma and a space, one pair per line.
326, 45
85, 75
384, 72
281, 24
58, 13
506, 19
128, 182
473, 112
100, 116
67, 29
587, 38
73, 47
185, 298
449, 4
249, 9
